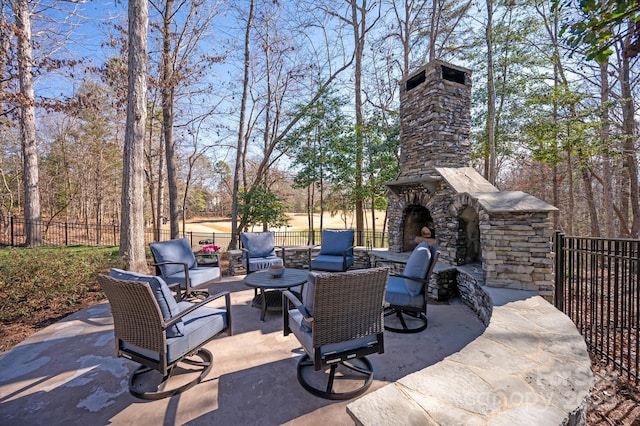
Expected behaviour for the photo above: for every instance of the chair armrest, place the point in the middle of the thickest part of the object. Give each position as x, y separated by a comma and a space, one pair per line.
243, 256
227, 296
296, 303
287, 298
184, 265
345, 252
186, 277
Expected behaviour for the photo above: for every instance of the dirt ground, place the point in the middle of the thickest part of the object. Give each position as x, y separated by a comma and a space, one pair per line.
614, 400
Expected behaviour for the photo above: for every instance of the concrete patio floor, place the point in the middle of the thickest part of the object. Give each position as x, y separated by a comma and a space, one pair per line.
67, 373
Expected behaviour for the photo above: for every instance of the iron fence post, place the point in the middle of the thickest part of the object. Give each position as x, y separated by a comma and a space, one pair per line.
559, 276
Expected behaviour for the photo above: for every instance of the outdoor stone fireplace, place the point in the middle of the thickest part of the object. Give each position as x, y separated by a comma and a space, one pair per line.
507, 233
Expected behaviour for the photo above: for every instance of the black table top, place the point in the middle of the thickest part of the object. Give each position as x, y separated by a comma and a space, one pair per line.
291, 278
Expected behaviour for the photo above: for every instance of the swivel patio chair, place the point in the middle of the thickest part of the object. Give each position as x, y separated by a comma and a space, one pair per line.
164, 336
406, 295
177, 265
259, 251
340, 322
336, 251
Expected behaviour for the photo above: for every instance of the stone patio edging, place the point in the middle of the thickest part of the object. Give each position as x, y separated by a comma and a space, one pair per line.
530, 366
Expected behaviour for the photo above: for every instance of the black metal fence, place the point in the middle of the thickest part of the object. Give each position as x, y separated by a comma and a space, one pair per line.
67, 234
598, 287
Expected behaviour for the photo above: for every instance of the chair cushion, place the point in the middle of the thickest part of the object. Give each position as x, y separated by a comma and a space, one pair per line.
199, 327
398, 295
327, 262
296, 323
173, 251
335, 242
164, 297
259, 244
308, 292
260, 263
417, 267
197, 276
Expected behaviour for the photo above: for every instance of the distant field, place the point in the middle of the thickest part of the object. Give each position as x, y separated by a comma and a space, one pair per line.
297, 222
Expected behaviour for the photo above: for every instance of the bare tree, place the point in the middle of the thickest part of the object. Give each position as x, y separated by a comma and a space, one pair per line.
132, 229
241, 126
184, 24
490, 150
32, 210
355, 16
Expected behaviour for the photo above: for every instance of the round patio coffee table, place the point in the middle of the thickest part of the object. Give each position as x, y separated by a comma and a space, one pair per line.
270, 295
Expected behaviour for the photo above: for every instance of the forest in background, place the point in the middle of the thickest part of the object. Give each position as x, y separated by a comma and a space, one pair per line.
259, 107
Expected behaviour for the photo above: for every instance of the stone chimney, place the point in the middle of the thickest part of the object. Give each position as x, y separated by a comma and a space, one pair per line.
435, 119
506, 233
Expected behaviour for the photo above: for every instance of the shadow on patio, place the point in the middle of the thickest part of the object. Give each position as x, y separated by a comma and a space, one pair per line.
67, 373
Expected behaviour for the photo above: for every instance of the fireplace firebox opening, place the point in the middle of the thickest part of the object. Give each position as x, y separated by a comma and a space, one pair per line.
468, 237
415, 217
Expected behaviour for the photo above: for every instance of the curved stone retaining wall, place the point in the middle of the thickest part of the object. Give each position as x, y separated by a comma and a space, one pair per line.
530, 366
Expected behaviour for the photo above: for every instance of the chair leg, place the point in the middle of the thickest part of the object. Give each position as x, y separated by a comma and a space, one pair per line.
360, 375
146, 383
400, 315
195, 295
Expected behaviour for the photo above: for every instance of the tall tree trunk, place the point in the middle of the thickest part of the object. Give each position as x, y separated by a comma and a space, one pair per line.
630, 163
590, 200
154, 183
32, 209
241, 139
267, 113
132, 228
433, 30
160, 189
570, 185
359, 31
167, 120
554, 181
490, 151
607, 190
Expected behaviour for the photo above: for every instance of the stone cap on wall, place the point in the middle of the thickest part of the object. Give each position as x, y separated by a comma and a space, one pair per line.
468, 180
511, 202
530, 366
465, 179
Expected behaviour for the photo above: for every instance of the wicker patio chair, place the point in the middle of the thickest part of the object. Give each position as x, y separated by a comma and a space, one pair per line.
338, 322
154, 330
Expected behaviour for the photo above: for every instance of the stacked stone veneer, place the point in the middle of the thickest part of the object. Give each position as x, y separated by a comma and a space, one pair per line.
435, 122
513, 238
435, 119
